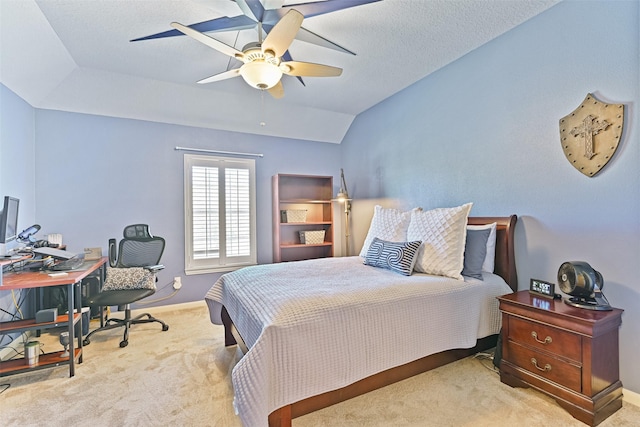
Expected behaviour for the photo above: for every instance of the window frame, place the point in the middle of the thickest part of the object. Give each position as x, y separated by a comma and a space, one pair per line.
223, 263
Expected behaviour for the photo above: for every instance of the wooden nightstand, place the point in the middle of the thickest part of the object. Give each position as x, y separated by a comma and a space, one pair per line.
568, 353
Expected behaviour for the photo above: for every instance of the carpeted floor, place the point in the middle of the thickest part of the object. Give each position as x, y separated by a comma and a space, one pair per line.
181, 377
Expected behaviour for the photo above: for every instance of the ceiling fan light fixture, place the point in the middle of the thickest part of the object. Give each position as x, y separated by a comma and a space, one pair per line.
260, 74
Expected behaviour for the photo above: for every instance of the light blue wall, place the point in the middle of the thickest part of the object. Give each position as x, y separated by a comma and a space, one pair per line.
17, 152
92, 175
485, 129
97, 174
17, 177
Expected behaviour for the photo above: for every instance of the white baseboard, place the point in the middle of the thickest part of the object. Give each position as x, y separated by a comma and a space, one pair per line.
631, 397
181, 306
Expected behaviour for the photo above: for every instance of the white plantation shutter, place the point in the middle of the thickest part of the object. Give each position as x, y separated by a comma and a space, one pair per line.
219, 213
237, 212
205, 212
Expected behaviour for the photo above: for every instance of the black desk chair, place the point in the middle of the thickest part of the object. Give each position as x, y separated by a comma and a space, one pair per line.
131, 276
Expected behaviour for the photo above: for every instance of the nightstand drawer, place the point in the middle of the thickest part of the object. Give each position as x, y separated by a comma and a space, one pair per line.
556, 370
545, 338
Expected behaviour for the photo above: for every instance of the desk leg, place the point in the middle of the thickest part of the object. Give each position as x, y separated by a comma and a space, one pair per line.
71, 329
103, 278
38, 305
79, 325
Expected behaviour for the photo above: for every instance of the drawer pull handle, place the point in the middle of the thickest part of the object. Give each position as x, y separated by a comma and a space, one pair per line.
546, 341
547, 367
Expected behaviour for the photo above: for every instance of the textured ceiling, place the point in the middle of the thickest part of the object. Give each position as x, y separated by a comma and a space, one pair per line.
75, 55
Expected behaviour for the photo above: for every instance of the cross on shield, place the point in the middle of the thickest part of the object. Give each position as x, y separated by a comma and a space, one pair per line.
591, 133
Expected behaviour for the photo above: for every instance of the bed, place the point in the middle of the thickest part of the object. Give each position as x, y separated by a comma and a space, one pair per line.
336, 337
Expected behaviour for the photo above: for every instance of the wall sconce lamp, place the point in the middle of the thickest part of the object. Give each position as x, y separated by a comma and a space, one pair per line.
343, 197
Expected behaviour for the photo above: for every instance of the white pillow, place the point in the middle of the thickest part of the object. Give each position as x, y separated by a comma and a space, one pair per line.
387, 224
443, 233
489, 260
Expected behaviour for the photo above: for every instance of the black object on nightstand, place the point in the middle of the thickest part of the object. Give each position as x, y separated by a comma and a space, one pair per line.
542, 288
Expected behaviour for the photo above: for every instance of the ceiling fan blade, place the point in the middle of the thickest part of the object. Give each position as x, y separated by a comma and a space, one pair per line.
221, 76
277, 91
287, 57
309, 69
283, 33
224, 23
209, 41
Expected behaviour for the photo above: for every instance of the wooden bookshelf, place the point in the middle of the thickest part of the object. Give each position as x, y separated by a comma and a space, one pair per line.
312, 194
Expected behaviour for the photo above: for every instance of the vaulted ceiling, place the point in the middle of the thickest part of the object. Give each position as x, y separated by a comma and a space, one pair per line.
76, 55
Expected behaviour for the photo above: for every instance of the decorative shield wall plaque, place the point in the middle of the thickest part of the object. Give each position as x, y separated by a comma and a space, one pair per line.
591, 133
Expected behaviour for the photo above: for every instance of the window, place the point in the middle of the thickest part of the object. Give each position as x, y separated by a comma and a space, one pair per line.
220, 214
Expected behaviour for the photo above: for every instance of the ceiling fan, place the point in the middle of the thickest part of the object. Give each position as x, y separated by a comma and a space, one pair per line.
263, 64
255, 13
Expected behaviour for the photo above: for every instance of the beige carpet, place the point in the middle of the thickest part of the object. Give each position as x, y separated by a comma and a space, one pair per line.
181, 377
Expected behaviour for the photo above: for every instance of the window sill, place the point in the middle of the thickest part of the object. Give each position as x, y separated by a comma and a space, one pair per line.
222, 269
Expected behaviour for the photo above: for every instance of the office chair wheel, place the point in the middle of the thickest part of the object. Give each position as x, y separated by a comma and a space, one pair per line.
165, 327
124, 343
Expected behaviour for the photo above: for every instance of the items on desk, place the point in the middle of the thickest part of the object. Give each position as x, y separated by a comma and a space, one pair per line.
64, 340
29, 263
92, 253
32, 352
47, 315
70, 264
56, 253
55, 238
47, 262
47, 258
27, 234
71, 261
44, 244
53, 260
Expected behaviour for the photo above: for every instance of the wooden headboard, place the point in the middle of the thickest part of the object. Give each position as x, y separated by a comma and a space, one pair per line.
505, 265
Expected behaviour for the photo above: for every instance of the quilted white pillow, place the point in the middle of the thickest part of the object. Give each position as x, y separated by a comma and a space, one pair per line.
443, 232
489, 260
387, 224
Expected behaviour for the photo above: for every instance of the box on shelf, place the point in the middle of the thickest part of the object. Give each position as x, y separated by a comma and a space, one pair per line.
315, 237
293, 215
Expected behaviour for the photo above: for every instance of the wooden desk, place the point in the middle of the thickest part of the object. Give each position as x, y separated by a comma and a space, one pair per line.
40, 279
10, 260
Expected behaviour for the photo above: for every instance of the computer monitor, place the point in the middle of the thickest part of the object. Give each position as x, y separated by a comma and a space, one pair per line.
9, 224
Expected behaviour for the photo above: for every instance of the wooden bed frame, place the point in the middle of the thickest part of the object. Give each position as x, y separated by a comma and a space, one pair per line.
505, 267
